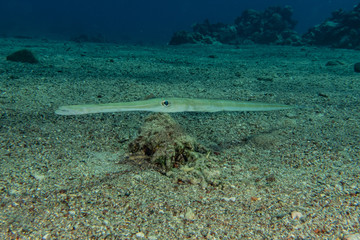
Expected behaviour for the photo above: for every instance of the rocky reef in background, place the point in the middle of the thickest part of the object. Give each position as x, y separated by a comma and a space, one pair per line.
341, 30
276, 26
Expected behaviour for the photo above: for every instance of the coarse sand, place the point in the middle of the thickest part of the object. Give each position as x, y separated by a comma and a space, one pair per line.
291, 174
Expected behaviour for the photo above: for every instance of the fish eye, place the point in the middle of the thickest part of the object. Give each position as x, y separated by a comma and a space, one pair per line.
165, 103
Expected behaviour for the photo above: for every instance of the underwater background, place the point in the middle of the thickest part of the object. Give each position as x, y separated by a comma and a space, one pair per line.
259, 139
142, 21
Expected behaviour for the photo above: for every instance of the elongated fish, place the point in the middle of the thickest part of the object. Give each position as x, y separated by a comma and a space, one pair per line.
171, 105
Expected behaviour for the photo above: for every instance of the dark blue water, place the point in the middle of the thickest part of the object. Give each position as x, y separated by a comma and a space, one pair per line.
142, 20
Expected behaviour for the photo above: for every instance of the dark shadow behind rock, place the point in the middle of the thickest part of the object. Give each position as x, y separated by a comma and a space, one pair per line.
25, 56
85, 38
357, 67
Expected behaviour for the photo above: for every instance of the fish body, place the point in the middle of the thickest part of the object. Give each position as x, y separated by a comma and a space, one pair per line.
171, 105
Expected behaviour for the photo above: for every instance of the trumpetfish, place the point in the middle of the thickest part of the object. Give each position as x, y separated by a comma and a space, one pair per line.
171, 105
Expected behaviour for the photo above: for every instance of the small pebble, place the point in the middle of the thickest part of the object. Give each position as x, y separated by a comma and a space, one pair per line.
296, 215
46, 236
255, 199
38, 176
291, 115
233, 199
140, 235
189, 214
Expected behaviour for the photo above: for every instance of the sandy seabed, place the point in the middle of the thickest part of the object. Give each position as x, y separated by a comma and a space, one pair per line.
291, 174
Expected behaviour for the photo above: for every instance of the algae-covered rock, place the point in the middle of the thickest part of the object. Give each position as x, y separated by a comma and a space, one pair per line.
162, 142
25, 56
